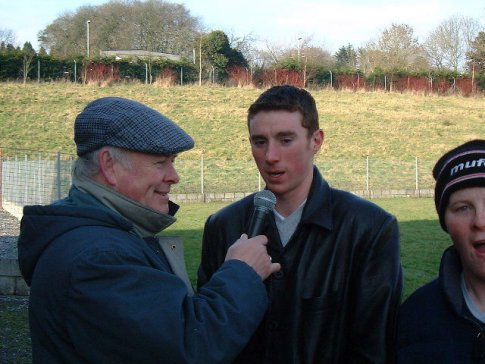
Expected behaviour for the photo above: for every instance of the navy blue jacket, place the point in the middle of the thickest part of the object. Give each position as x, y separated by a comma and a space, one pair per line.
435, 325
101, 294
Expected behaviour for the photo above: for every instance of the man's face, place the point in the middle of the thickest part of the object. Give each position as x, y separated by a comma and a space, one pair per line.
284, 152
465, 221
146, 179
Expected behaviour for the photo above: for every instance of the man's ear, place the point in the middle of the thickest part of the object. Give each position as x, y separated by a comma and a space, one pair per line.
317, 138
106, 167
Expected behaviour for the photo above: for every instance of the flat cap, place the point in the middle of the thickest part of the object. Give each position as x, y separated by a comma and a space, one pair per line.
127, 124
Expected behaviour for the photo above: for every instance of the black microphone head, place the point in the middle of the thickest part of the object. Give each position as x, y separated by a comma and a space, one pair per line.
265, 199
264, 202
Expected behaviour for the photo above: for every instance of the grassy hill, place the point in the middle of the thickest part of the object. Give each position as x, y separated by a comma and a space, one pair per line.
356, 124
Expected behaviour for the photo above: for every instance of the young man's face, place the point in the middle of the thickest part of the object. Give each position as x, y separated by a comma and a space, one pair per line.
465, 221
147, 179
284, 152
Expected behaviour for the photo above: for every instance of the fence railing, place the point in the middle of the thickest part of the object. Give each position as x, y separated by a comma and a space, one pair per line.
40, 178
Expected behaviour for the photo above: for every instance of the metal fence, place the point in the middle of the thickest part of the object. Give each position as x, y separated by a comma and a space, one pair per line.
29, 177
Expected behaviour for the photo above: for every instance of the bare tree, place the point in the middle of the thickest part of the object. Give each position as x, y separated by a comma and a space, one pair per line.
396, 49
28, 55
448, 44
246, 45
302, 51
400, 48
7, 36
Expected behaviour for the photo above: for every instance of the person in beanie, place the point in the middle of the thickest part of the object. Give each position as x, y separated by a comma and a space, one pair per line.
336, 297
106, 286
444, 321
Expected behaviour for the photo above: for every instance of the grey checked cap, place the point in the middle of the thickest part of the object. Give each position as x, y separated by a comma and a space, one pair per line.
127, 124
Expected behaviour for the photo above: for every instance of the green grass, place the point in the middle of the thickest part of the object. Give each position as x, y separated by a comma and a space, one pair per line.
356, 124
391, 129
422, 239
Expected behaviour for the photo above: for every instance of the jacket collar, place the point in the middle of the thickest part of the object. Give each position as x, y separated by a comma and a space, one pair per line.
146, 221
318, 208
450, 273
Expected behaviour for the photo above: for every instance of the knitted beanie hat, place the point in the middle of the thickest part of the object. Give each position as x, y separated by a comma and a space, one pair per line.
127, 124
461, 167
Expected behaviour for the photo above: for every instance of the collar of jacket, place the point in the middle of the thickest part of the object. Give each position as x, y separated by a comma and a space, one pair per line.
318, 208
146, 221
450, 280
450, 273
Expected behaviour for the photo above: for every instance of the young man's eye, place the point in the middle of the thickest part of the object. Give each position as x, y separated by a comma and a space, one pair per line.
258, 142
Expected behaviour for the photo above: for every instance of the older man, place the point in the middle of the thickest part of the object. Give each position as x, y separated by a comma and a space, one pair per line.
105, 287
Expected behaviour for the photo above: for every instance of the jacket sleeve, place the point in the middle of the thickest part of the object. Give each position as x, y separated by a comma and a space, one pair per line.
122, 310
378, 288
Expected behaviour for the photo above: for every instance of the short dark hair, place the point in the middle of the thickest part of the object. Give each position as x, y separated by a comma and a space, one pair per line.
288, 98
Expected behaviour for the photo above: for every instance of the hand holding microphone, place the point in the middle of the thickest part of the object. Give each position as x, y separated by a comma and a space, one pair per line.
252, 250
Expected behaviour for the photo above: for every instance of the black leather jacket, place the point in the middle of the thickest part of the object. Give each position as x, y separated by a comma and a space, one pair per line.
336, 298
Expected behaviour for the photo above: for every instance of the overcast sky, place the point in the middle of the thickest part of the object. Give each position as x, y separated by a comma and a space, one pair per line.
330, 24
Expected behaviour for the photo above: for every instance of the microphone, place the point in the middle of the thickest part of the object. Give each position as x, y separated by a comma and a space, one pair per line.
264, 202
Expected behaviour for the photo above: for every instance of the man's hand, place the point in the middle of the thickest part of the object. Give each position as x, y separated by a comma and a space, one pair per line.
253, 252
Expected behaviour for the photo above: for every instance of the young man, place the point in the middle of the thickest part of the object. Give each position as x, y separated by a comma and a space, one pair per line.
336, 296
444, 321
105, 286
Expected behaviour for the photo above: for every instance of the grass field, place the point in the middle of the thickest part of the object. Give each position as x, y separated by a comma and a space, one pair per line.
356, 124
394, 131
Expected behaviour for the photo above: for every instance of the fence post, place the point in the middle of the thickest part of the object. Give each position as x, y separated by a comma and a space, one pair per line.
417, 174
37, 190
58, 175
259, 181
26, 175
1, 179
202, 173
367, 175
16, 192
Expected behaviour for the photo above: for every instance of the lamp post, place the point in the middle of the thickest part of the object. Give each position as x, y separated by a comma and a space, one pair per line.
304, 70
87, 36
299, 49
